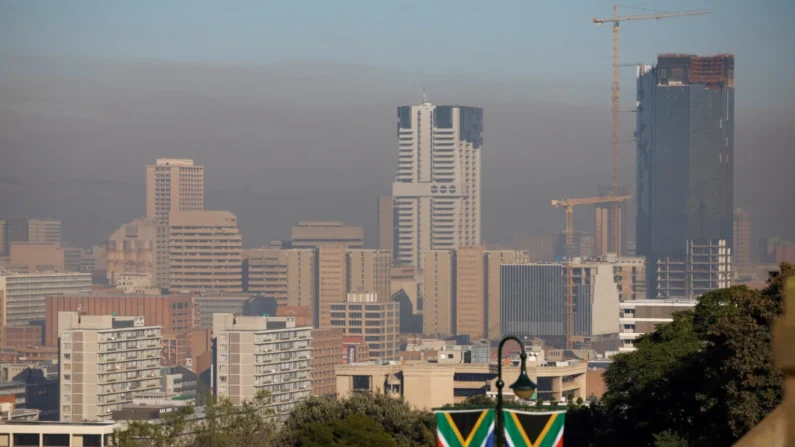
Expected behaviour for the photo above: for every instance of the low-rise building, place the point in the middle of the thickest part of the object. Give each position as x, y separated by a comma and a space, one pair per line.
27, 433
377, 321
643, 316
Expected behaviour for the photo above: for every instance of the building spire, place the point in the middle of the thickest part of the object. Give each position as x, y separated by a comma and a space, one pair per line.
423, 97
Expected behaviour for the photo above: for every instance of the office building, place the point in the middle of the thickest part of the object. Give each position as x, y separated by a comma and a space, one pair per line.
378, 321
370, 271
629, 273
24, 294
685, 158
471, 307
775, 250
437, 187
386, 223
104, 361
354, 350
309, 234
173, 185
135, 248
494, 260
174, 314
533, 298
741, 235
262, 353
285, 274
706, 266
438, 310
32, 257
204, 252
404, 279
326, 348
332, 281
38, 231
643, 316
539, 248
583, 245
603, 224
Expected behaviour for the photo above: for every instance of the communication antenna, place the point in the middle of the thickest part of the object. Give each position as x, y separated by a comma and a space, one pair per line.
423, 96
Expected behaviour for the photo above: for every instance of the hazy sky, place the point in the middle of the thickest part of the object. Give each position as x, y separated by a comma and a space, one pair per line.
288, 99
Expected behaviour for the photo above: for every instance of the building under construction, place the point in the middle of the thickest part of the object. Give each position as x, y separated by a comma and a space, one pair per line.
685, 159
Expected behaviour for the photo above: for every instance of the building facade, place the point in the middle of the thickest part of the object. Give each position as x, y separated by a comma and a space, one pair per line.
135, 248
438, 310
494, 260
104, 361
262, 354
742, 238
386, 223
643, 316
685, 157
437, 188
173, 185
377, 321
326, 355
204, 252
470, 300
286, 274
332, 281
32, 257
370, 271
310, 234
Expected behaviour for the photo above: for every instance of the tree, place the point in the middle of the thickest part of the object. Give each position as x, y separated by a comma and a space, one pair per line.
356, 430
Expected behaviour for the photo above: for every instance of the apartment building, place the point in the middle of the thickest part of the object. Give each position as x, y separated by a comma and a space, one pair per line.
173, 185
643, 316
262, 353
326, 354
378, 321
204, 249
309, 234
104, 361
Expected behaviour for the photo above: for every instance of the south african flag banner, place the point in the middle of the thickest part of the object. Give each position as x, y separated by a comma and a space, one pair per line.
527, 428
465, 428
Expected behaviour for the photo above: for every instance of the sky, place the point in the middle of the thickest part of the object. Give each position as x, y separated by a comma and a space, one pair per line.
290, 99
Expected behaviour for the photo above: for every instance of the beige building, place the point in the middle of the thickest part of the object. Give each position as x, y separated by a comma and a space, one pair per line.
494, 259
262, 353
285, 274
136, 284
405, 278
332, 281
104, 361
386, 223
204, 252
643, 316
370, 271
316, 233
326, 354
539, 248
25, 293
470, 302
173, 185
210, 304
378, 321
31, 257
135, 248
438, 292
26, 434
44, 231
426, 385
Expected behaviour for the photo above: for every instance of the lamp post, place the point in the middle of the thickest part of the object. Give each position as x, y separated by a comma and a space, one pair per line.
523, 387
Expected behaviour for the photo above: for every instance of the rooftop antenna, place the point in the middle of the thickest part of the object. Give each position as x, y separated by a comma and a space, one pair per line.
423, 97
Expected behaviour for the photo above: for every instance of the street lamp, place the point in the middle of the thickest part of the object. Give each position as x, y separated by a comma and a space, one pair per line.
523, 388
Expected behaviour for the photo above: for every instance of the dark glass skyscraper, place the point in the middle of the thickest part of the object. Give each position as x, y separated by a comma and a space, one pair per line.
685, 157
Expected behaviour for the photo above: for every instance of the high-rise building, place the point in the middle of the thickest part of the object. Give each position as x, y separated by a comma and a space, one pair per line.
135, 248
285, 274
533, 302
39, 231
438, 314
742, 238
437, 188
104, 361
386, 223
326, 348
332, 281
685, 157
539, 248
583, 245
494, 260
706, 266
470, 299
603, 234
362, 314
310, 234
173, 185
3, 251
204, 252
370, 271
262, 354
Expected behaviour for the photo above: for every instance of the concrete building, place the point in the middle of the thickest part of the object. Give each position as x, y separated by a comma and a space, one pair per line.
173, 185
370, 271
378, 321
404, 278
32, 257
685, 158
533, 300
539, 248
706, 266
262, 353
285, 274
470, 300
426, 385
174, 314
204, 252
643, 316
310, 234
386, 223
104, 361
136, 248
437, 187
136, 284
23, 336
25, 434
604, 242
332, 281
209, 304
494, 259
583, 245
37, 231
23, 294
438, 311
326, 348
354, 350
629, 273
742, 238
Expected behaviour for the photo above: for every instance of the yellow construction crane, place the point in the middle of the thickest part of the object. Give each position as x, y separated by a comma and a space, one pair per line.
614, 239
568, 205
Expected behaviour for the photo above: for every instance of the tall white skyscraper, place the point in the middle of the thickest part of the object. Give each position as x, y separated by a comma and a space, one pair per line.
437, 186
